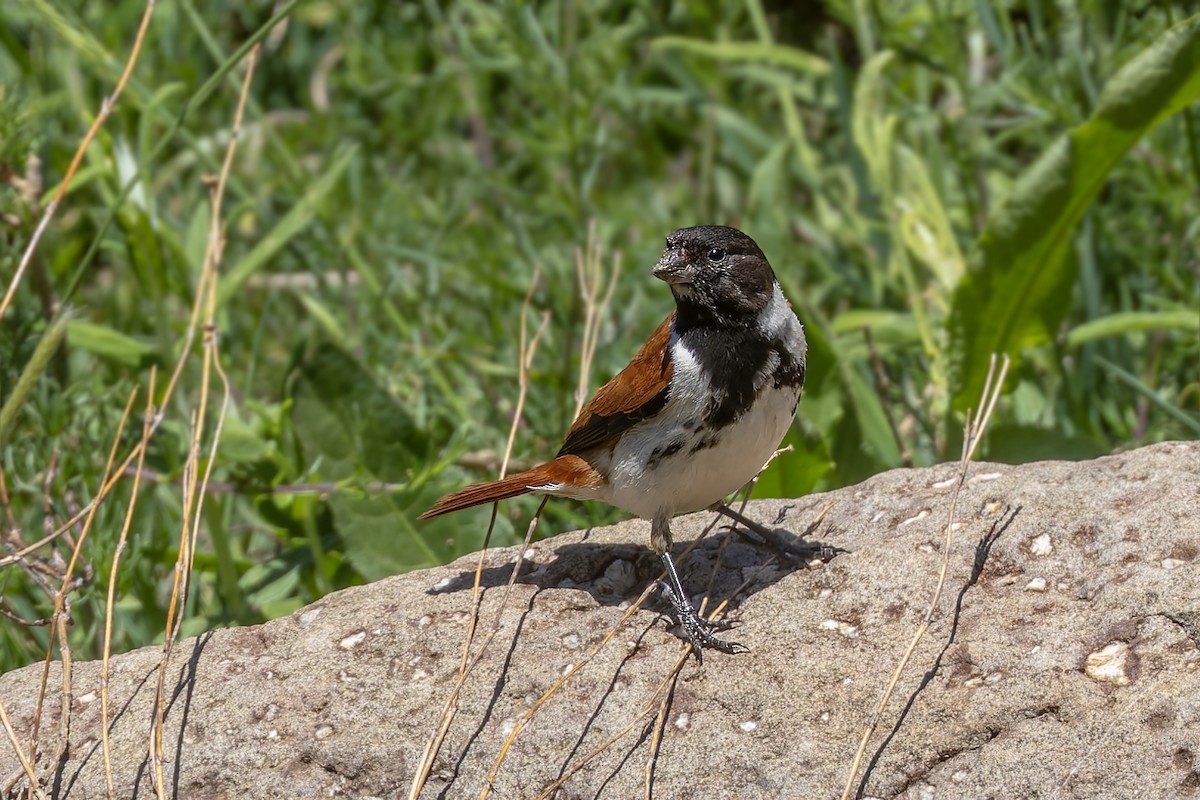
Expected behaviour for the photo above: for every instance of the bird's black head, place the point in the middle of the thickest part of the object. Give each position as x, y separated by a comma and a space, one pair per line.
718, 275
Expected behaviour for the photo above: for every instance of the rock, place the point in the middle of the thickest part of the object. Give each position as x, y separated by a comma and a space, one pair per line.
1062, 661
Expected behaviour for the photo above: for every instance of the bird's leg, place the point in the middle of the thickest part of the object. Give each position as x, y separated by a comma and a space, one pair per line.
771, 538
695, 627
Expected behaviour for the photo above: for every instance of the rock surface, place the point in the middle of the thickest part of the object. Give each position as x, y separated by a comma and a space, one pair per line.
1063, 661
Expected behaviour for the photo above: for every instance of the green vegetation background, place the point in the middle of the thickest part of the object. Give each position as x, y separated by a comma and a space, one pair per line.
933, 181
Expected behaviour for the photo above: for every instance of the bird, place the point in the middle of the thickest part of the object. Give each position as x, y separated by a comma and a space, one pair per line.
695, 415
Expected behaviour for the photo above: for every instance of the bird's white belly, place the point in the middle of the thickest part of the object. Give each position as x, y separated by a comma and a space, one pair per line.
694, 478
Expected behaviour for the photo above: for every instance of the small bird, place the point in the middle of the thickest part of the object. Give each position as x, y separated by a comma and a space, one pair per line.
696, 414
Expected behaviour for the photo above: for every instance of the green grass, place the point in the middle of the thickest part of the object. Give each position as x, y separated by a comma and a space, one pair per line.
955, 177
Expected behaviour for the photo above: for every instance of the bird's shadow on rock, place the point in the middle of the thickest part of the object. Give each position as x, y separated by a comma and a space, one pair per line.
719, 565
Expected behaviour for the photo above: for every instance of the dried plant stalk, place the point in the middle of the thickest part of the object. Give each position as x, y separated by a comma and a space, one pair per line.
972, 435
467, 663
106, 107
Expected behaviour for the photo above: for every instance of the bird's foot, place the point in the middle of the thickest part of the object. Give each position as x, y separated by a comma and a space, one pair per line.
781, 541
696, 628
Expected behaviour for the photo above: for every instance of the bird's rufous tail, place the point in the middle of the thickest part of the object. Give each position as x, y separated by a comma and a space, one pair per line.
569, 471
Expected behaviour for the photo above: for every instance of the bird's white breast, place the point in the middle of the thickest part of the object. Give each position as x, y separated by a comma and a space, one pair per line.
644, 478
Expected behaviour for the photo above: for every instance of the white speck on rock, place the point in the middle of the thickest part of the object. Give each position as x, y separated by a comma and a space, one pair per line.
878, 516
442, 584
353, 640
419, 675
984, 477
309, 617
508, 726
830, 624
682, 721
571, 641
1036, 585
825, 593
86, 698
1110, 664
921, 515
568, 669
1171, 563
959, 777
994, 677
323, 731
425, 621
946, 484
748, 726
1041, 546
273, 735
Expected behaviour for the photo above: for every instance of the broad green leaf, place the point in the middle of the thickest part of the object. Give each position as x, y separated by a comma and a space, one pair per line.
353, 431
1018, 284
108, 343
292, 223
1021, 444
1126, 322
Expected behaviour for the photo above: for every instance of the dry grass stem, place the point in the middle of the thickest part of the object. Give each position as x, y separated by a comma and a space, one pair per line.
597, 295
61, 615
26, 764
684, 653
972, 435
112, 584
660, 721
574, 668
106, 107
194, 488
527, 348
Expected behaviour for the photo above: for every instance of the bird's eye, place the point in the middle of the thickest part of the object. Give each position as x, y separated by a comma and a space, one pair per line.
716, 255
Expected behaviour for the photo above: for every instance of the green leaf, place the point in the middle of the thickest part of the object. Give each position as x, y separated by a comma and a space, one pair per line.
1020, 444
1189, 421
108, 343
294, 221
755, 52
1016, 290
47, 346
352, 430
1126, 322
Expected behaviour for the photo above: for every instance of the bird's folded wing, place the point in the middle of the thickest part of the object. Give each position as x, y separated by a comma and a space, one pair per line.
637, 392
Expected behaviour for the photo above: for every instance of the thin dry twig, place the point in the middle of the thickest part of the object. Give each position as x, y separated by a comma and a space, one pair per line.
572, 670
660, 722
106, 107
61, 614
112, 584
685, 652
467, 663
972, 435
596, 298
26, 763
194, 484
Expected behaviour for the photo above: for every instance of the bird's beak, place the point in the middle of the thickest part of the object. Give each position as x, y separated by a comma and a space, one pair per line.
674, 267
